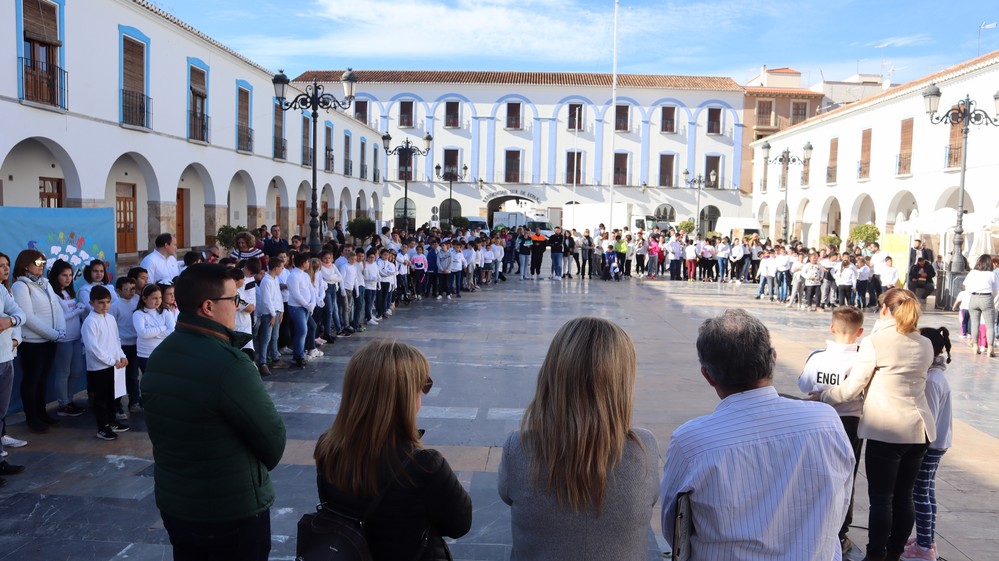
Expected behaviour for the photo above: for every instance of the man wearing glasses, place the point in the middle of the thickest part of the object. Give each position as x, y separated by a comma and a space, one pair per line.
214, 428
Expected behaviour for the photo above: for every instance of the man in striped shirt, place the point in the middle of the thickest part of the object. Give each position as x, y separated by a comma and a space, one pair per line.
768, 478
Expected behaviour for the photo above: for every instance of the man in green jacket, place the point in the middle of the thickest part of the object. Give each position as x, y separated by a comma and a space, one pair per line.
214, 428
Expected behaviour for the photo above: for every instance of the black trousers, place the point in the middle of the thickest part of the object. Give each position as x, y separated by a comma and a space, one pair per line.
536, 259
850, 425
891, 476
100, 390
247, 539
37, 360
586, 263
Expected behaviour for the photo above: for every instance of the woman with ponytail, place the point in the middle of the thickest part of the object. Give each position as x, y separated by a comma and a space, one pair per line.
890, 373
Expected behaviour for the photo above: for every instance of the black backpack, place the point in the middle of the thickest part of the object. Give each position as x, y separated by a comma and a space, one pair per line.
328, 535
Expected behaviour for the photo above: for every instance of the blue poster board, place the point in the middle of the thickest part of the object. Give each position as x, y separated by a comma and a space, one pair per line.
75, 235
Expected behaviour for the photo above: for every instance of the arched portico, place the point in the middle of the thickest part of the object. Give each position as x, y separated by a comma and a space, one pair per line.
195, 191
127, 189
39, 172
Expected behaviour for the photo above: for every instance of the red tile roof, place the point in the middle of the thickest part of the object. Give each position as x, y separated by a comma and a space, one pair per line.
784, 70
796, 92
526, 78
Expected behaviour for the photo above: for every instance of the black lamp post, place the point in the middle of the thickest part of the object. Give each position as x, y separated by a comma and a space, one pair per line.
785, 159
964, 114
313, 100
699, 181
450, 175
409, 148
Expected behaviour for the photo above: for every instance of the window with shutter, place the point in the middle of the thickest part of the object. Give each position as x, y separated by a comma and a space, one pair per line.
621, 114
40, 21
348, 163
244, 134
904, 164
405, 113
714, 120
764, 113
364, 159
864, 169
512, 166
452, 117
620, 169
954, 147
280, 145
666, 170
198, 127
43, 80
361, 111
328, 164
833, 160
513, 115
668, 119
134, 103
574, 167
306, 145
575, 116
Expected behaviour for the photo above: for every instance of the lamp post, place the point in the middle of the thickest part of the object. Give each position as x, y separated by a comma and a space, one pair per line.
314, 99
964, 114
450, 175
785, 159
699, 181
409, 148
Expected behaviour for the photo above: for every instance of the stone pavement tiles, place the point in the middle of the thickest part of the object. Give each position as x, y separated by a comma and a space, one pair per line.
85, 499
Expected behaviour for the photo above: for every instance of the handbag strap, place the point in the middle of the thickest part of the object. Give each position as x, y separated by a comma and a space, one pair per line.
373, 505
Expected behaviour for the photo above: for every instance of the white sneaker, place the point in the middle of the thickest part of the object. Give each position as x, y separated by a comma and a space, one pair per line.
388, 312
12, 442
372, 321
315, 353
286, 351
4, 454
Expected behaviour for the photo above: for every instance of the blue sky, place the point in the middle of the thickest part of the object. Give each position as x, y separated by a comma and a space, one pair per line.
834, 38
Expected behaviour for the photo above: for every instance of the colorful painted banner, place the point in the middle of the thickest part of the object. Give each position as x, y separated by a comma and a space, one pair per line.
75, 235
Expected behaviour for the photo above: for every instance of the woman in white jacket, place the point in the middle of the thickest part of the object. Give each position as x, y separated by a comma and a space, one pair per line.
70, 366
45, 325
152, 323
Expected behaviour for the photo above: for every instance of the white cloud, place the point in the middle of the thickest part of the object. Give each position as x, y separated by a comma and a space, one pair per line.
906, 41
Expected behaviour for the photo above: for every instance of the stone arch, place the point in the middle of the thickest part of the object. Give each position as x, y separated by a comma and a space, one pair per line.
949, 199
779, 212
404, 213
301, 213
34, 158
346, 202
195, 191
708, 219
127, 190
802, 227
863, 211
763, 217
277, 203
831, 218
902, 204
242, 195
375, 207
665, 212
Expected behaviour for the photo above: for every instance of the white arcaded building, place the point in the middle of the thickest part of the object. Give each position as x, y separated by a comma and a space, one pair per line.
116, 103
881, 160
550, 139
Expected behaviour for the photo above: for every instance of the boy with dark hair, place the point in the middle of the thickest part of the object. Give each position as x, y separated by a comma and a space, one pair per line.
121, 310
104, 354
831, 367
141, 277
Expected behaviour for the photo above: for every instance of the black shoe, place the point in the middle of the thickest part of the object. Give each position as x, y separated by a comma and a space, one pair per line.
7, 468
106, 434
119, 427
300, 363
38, 427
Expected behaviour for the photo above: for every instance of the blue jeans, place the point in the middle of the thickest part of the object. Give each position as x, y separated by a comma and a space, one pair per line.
330, 313
557, 264
454, 282
263, 340
524, 260
6, 388
722, 268
358, 318
299, 328
782, 282
370, 295
764, 282
275, 337
70, 367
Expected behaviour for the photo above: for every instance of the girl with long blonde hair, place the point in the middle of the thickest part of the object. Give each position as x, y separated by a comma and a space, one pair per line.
580, 480
373, 450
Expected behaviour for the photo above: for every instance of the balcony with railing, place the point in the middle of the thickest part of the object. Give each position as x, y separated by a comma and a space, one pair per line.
136, 109
348, 168
512, 177
364, 171
451, 121
952, 155
864, 169
765, 120
666, 180
198, 126
44, 83
575, 179
376, 176
244, 138
306, 155
280, 148
714, 127
831, 174
621, 124
513, 122
405, 119
620, 177
903, 164
668, 125
328, 160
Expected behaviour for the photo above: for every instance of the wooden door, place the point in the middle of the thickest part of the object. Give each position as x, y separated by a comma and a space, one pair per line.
181, 218
124, 217
300, 216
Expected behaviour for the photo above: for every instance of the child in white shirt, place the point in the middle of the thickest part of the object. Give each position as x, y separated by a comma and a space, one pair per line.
104, 355
121, 310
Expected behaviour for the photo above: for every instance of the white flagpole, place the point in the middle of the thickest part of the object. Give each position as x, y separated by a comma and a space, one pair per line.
613, 112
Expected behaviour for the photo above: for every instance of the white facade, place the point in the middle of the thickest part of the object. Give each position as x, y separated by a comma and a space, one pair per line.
87, 140
530, 159
901, 186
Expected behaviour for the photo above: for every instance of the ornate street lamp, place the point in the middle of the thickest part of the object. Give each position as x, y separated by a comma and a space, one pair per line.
450, 175
314, 99
409, 148
785, 159
699, 181
964, 114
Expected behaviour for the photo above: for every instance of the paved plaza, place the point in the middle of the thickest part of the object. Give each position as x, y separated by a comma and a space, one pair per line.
84, 499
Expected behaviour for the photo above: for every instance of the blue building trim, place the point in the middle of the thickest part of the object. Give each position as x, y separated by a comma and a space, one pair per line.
135, 35
692, 146
552, 150
453, 96
598, 148
671, 102
643, 173
536, 150
328, 126
476, 144
243, 84
491, 149
197, 63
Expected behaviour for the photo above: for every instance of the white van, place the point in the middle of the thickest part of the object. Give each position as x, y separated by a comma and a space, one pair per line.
476, 222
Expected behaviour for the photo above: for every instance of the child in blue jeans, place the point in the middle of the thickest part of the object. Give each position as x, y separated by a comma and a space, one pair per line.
924, 547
